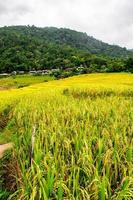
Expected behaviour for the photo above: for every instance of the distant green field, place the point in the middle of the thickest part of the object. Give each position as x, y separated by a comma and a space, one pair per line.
20, 81
73, 139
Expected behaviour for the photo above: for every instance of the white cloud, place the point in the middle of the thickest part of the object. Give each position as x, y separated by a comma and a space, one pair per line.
110, 21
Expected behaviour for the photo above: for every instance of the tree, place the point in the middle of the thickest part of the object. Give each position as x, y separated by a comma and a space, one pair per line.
129, 64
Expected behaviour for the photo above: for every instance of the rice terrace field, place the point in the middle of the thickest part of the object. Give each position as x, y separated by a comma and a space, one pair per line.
72, 139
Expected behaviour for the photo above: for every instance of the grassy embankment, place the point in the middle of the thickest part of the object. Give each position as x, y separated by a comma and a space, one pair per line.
73, 139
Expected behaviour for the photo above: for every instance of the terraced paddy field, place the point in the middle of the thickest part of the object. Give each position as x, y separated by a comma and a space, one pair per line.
73, 139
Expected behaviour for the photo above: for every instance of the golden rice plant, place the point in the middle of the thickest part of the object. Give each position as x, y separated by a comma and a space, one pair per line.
73, 138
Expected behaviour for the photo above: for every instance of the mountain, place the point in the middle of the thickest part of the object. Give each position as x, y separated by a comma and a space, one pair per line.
65, 36
29, 47
82, 41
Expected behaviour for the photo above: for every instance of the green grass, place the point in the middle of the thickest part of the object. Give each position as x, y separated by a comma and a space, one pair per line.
20, 81
73, 139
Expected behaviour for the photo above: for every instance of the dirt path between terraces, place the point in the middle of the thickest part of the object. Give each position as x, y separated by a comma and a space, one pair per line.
5, 147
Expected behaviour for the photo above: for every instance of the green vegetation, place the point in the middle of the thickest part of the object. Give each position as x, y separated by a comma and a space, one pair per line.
72, 139
27, 48
20, 81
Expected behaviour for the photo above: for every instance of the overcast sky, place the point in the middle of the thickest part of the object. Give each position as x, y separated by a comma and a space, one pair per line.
107, 20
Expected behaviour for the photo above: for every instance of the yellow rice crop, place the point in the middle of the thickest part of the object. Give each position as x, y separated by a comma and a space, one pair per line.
73, 138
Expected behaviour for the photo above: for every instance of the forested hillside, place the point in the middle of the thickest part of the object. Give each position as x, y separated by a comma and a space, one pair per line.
81, 41
27, 48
